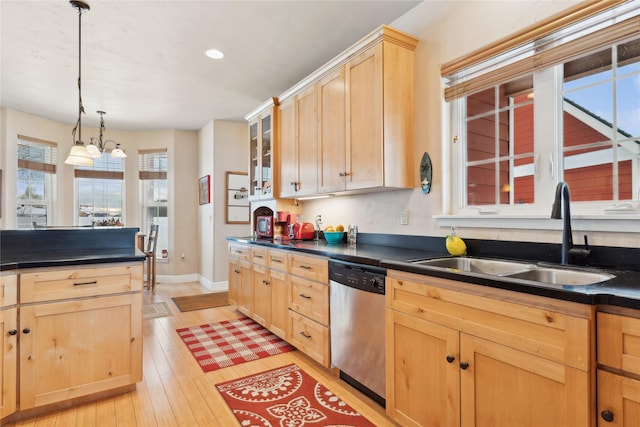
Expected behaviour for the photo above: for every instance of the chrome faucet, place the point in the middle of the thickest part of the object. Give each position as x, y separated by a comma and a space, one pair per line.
563, 196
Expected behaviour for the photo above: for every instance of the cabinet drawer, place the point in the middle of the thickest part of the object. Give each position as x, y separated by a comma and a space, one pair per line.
619, 342
54, 284
309, 267
310, 337
239, 251
310, 298
259, 256
8, 289
556, 330
277, 259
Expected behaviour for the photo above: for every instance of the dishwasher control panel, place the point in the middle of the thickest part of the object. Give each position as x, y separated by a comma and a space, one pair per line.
363, 277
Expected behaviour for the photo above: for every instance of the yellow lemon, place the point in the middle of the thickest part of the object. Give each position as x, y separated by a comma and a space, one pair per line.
455, 245
339, 227
329, 228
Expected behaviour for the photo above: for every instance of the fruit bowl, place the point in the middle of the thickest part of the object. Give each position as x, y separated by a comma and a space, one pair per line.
333, 236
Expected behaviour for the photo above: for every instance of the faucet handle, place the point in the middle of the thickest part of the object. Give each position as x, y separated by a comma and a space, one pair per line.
586, 242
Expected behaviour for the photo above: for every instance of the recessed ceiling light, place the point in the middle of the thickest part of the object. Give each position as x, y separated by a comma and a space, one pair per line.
214, 53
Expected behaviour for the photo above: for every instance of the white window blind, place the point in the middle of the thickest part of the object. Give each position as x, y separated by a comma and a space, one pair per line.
561, 41
37, 154
152, 164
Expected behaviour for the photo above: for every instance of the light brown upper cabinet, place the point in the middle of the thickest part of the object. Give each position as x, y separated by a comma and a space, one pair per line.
261, 138
298, 144
359, 135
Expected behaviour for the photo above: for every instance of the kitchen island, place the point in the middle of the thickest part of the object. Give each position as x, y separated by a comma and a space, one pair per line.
74, 333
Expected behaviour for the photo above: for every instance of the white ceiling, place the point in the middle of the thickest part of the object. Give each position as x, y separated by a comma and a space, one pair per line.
143, 61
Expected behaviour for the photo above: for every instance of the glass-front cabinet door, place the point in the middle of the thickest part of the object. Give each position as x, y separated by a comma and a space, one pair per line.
260, 152
254, 160
267, 170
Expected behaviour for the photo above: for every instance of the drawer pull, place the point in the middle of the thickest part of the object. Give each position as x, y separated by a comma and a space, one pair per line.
276, 260
13, 332
304, 334
257, 256
305, 296
93, 282
450, 359
607, 416
306, 267
26, 330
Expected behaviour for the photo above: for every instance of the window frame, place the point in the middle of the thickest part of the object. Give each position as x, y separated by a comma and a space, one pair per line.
87, 172
547, 156
48, 167
147, 173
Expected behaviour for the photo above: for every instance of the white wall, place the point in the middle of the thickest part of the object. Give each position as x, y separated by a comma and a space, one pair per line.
447, 30
223, 147
182, 153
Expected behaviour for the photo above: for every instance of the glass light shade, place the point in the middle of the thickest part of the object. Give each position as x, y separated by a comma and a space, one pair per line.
118, 153
93, 150
79, 156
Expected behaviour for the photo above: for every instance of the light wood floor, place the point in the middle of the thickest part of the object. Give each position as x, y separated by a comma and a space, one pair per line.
175, 391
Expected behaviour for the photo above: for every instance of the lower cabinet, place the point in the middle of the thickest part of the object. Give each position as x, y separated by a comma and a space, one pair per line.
279, 283
261, 295
485, 358
80, 332
309, 306
9, 342
75, 348
619, 373
8, 361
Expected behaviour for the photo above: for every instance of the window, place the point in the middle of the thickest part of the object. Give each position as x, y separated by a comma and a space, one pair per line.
35, 182
155, 194
100, 192
561, 107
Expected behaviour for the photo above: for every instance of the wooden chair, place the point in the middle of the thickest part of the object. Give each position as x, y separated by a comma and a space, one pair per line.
150, 252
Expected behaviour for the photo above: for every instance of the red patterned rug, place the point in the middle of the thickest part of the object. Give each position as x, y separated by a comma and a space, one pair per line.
218, 345
287, 396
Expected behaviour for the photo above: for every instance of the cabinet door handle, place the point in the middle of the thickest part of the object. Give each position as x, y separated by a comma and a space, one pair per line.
607, 416
450, 359
93, 282
306, 267
305, 296
13, 332
26, 330
464, 365
236, 271
304, 334
266, 282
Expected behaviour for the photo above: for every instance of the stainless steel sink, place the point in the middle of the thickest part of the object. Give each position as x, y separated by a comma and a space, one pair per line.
558, 276
519, 271
477, 265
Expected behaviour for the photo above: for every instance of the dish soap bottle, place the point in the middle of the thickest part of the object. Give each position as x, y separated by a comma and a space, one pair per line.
455, 245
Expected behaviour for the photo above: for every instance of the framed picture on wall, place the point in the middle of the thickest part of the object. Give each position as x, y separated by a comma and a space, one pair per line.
238, 209
204, 189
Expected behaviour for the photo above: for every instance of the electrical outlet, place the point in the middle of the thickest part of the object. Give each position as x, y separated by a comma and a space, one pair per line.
404, 217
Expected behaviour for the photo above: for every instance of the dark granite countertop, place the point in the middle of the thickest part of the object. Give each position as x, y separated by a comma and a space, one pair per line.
68, 258
622, 290
60, 246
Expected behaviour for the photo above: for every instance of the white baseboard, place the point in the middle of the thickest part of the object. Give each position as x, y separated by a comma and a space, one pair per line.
213, 286
177, 279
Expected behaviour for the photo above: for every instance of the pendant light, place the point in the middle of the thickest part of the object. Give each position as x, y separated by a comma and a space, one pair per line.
98, 146
79, 155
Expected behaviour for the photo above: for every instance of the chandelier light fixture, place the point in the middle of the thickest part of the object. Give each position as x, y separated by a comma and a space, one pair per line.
98, 146
80, 154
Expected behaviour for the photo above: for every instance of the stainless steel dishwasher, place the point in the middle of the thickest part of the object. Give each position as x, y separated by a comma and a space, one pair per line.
357, 326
